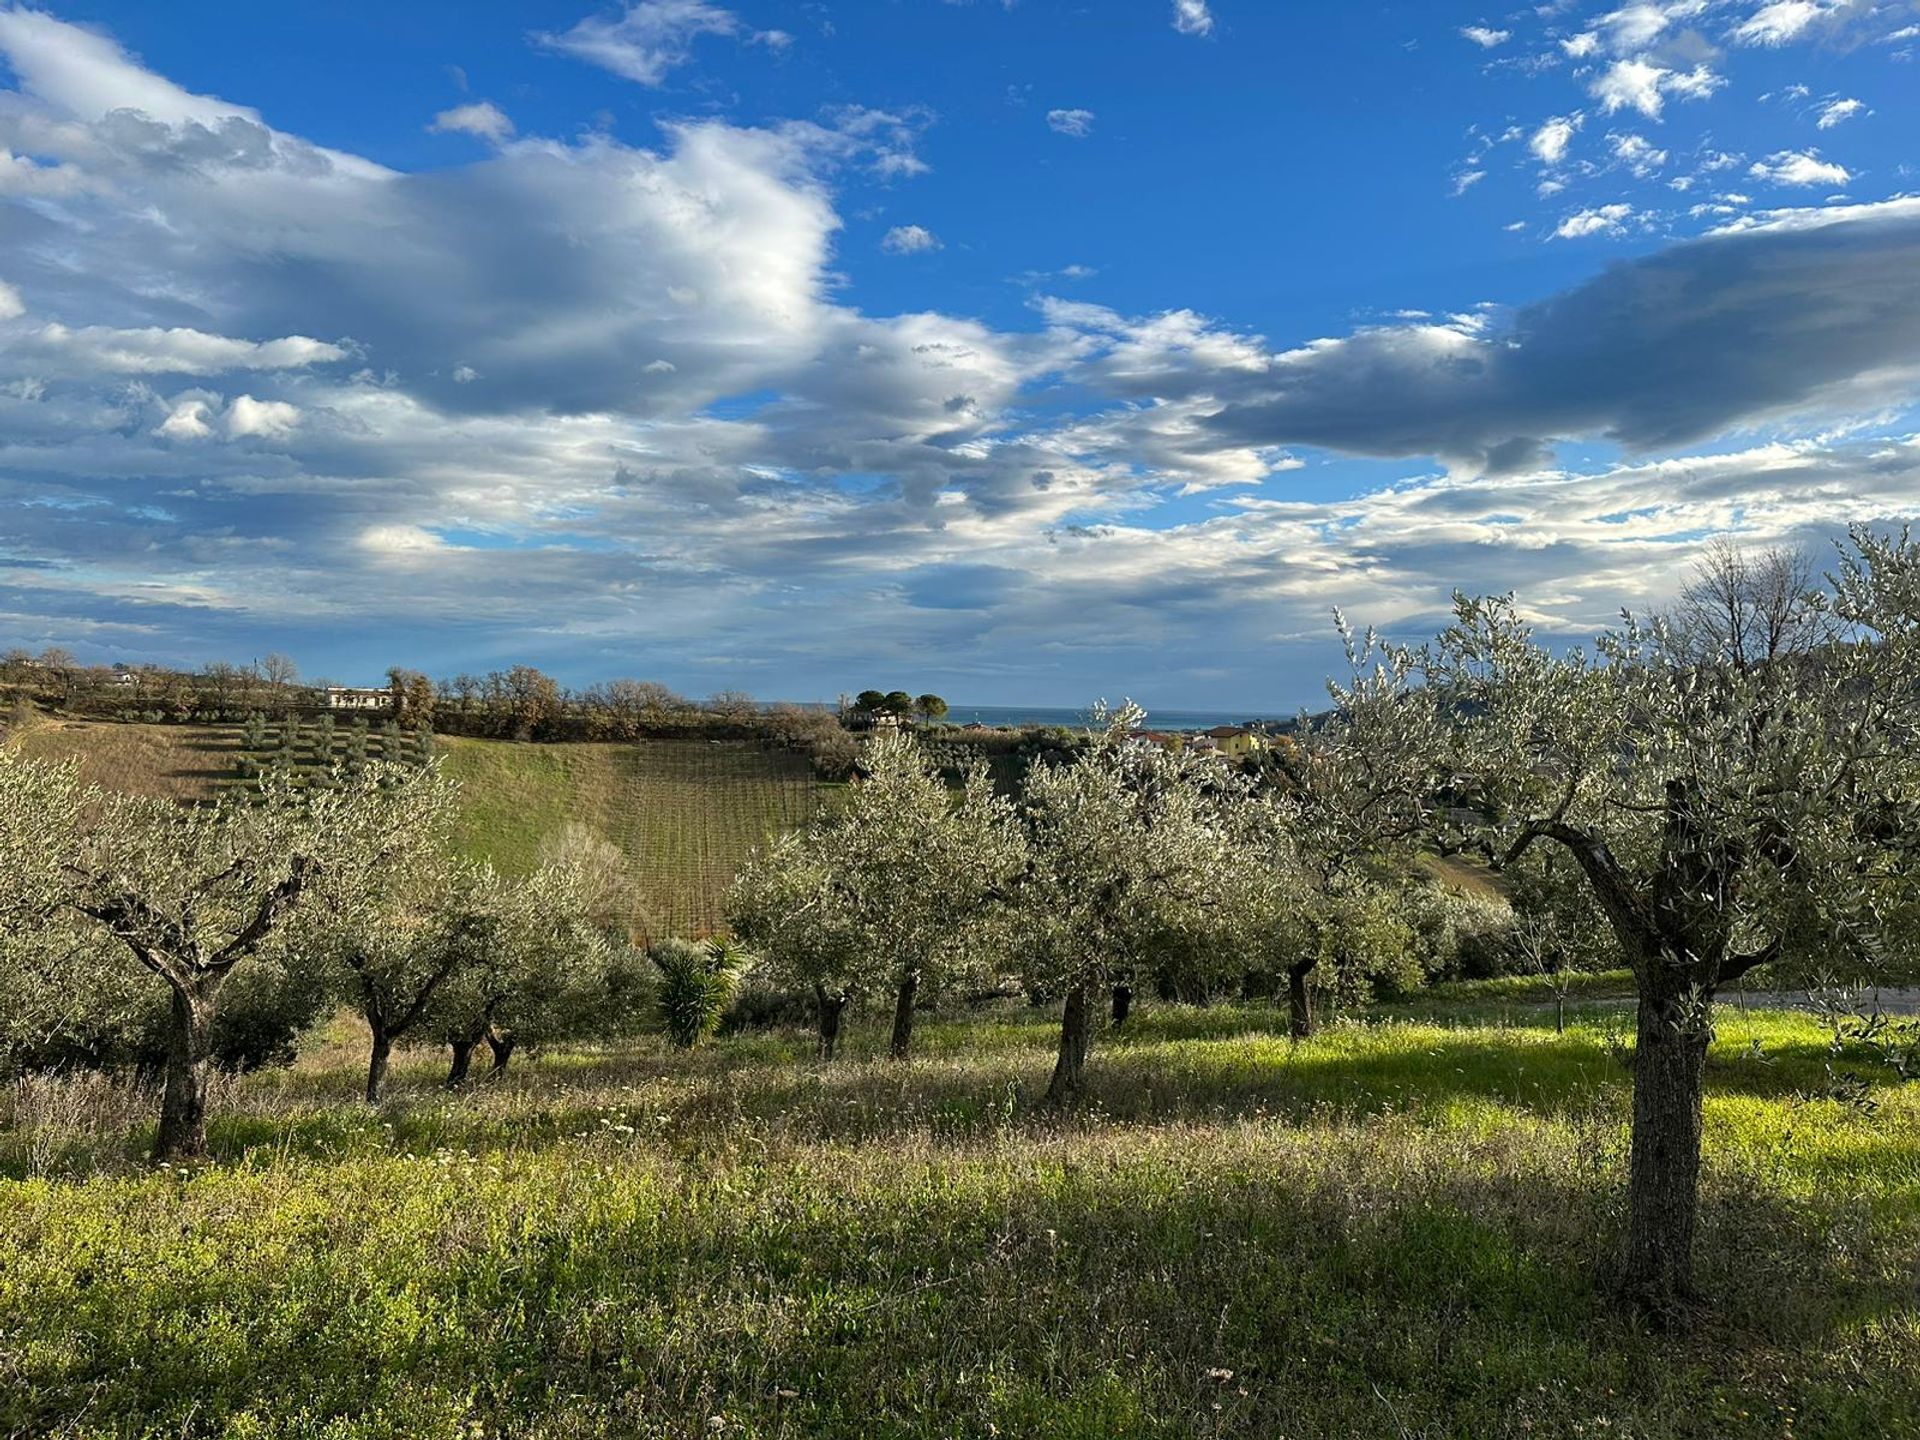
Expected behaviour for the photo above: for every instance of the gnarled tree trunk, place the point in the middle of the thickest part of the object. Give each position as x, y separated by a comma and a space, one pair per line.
903, 1014
462, 1062
183, 1104
1300, 1018
502, 1047
1669, 1065
1074, 1034
377, 1063
829, 1009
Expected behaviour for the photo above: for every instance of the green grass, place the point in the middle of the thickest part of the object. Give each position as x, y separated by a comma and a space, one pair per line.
1396, 1229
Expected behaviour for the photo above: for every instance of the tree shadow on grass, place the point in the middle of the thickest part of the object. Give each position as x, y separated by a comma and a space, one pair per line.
1257, 1286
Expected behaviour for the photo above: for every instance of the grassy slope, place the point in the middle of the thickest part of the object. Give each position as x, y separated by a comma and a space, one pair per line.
170, 762
1393, 1230
686, 812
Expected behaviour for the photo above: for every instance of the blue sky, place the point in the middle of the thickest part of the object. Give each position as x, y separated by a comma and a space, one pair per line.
1028, 352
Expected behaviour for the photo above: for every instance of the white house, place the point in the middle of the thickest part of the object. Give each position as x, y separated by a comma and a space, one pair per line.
348, 697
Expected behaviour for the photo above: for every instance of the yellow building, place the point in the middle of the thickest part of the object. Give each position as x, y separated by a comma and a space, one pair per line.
1236, 742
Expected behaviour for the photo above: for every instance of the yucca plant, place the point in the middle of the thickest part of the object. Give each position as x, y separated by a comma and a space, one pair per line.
697, 981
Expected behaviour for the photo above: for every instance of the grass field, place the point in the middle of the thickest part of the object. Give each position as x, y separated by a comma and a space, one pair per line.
168, 762
1397, 1229
685, 812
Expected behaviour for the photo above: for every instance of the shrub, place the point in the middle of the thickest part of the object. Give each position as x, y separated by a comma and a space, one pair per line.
697, 983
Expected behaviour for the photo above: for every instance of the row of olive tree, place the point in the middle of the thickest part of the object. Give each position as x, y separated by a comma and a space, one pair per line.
1127, 862
1735, 785
349, 890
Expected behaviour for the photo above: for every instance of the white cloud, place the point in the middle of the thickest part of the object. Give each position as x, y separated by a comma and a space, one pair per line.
268, 419
911, 486
1639, 84
1779, 22
652, 38
1638, 155
1076, 123
1485, 38
1191, 17
909, 240
1603, 220
401, 541
1836, 112
1549, 143
1579, 47
187, 420
483, 119
1466, 180
1631, 84
178, 351
1799, 167
12, 307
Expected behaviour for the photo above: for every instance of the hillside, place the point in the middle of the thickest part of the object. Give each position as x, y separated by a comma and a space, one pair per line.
685, 812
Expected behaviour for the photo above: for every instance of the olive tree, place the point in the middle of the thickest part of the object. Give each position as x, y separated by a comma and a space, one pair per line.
191, 892
1130, 849
1725, 806
784, 904
892, 891
1353, 796
540, 959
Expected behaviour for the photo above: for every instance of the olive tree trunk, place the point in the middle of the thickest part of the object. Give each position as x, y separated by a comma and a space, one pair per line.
828, 1009
377, 1060
502, 1048
1300, 1017
183, 1104
903, 1014
462, 1062
1663, 1178
1075, 1032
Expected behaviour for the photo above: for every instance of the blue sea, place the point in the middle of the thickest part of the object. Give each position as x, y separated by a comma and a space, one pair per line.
1015, 715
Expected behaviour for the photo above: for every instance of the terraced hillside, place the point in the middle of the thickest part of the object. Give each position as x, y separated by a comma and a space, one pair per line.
685, 812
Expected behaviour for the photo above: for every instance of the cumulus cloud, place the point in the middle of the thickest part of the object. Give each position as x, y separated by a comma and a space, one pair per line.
188, 420
1603, 220
1641, 85
269, 419
633, 370
1076, 123
12, 307
909, 240
1549, 143
1485, 38
1191, 17
483, 119
651, 38
1799, 167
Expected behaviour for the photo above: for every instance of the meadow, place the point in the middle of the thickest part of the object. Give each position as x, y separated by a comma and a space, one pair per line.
686, 812
1400, 1228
